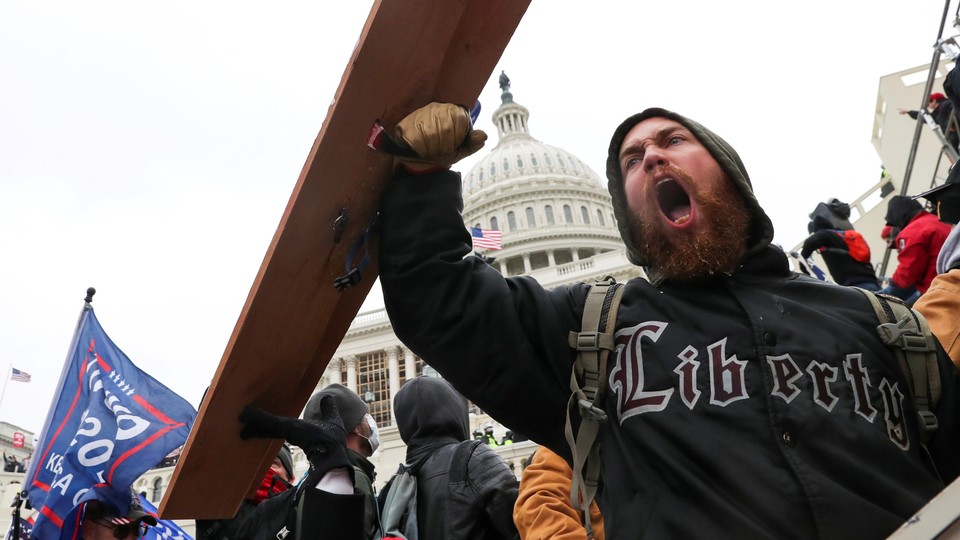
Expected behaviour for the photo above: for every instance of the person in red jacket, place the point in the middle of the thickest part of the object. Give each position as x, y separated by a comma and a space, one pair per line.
918, 244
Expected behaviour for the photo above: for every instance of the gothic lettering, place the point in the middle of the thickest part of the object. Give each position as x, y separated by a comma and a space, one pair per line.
726, 375
785, 375
687, 370
822, 374
626, 378
893, 414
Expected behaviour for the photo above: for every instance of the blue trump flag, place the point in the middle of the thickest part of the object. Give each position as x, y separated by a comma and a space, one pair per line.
109, 422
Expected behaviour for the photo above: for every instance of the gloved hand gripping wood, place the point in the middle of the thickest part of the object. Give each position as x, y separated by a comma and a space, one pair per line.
440, 134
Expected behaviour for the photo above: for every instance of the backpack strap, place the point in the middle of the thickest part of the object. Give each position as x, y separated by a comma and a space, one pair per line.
906, 332
460, 459
588, 384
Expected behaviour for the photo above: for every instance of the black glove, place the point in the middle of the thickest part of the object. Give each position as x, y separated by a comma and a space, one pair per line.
324, 441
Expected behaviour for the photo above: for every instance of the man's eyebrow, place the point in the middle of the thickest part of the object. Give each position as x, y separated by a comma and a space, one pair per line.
659, 136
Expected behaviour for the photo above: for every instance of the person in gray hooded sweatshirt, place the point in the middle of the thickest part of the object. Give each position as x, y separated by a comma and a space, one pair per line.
744, 400
433, 422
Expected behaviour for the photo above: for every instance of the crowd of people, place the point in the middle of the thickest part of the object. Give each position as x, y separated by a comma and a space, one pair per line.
740, 399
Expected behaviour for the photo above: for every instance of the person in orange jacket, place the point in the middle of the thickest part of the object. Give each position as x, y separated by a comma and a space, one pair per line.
543, 510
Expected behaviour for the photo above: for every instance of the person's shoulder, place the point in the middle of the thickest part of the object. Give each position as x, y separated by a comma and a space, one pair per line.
481, 455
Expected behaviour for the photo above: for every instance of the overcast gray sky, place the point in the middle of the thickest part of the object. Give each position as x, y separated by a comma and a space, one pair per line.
149, 149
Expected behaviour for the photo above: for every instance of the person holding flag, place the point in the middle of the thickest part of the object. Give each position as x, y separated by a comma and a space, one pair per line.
108, 423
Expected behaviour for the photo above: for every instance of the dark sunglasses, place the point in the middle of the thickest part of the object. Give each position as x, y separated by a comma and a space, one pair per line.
138, 529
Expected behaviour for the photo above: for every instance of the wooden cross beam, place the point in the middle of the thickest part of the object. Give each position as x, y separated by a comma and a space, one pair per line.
409, 54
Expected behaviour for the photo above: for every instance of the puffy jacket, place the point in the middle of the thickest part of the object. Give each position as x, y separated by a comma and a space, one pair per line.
755, 405
939, 305
918, 245
543, 510
432, 420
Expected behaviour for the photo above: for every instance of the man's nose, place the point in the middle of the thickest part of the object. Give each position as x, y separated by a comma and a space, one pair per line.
653, 158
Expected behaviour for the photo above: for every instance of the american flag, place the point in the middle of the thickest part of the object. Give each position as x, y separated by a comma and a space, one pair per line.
17, 375
485, 238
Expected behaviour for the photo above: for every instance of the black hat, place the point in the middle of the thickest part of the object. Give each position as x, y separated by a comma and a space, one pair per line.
136, 512
352, 409
951, 184
946, 197
97, 509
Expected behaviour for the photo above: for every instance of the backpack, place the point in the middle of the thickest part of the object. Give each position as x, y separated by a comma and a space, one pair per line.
301, 511
398, 513
856, 245
902, 329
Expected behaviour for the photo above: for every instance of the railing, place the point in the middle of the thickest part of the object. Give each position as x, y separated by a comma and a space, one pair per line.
375, 316
576, 266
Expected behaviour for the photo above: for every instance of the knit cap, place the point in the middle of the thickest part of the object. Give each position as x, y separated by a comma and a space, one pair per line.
352, 409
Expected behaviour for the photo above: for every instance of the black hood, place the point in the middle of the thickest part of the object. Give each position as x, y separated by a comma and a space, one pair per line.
761, 228
430, 414
901, 209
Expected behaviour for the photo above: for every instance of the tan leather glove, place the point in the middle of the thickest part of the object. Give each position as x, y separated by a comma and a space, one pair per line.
440, 133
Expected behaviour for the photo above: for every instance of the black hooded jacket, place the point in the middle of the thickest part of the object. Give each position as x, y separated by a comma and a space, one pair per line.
754, 405
844, 269
432, 420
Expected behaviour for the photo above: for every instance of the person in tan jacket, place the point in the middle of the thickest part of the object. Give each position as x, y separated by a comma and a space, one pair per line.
939, 306
543, 510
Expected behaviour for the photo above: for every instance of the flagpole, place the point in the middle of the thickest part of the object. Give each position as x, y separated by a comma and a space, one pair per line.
5, 381
63, 376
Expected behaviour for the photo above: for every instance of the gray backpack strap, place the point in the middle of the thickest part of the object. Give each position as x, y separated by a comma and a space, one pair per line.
588, 384
906, 332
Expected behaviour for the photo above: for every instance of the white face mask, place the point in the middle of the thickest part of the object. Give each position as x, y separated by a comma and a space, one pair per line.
374, 438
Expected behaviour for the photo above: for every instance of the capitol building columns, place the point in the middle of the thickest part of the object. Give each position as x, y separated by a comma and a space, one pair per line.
332, 373
410, 364
351, 361
393, 369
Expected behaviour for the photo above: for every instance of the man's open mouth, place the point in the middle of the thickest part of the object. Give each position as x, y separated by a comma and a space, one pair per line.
673, 200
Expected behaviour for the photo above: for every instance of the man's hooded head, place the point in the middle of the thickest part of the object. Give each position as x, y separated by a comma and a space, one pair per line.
901, 209
430, 414
759, 229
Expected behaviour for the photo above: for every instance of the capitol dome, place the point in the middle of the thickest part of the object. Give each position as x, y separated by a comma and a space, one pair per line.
551, 208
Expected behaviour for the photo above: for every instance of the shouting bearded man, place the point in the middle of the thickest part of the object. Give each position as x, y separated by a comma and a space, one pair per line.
745, 401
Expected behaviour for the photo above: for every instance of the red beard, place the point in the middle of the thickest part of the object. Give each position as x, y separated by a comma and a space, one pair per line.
713, 245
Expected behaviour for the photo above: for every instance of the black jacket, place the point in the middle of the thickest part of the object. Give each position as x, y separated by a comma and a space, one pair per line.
364, 474
757, 405
432, 420
941, 116
844, 269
